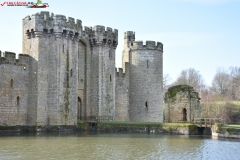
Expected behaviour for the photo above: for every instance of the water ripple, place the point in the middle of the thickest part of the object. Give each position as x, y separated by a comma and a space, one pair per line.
117, 146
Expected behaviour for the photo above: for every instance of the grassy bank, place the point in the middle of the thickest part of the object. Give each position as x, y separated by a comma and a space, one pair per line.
227, 128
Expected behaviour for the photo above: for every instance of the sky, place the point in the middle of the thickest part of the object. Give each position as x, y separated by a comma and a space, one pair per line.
199, 34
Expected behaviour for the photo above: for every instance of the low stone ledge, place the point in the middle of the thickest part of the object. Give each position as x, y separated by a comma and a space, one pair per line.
16, 129
142, 127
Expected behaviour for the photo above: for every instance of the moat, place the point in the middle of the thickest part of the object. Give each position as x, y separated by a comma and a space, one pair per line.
92, 145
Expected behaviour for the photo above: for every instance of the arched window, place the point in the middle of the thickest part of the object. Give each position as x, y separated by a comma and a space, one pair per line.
110, 78
18, 101
11, 83
146, 104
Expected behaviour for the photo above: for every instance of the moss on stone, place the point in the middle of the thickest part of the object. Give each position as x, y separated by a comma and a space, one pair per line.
172, 91
145, 126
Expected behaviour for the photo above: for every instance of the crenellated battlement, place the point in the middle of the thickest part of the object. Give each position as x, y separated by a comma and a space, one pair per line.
101, 35
120, 72
10, 58
129, 35
150, 45
45, 23
86, 31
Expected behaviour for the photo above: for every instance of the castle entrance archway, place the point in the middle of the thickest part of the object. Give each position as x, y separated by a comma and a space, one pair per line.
184, 114
79, 108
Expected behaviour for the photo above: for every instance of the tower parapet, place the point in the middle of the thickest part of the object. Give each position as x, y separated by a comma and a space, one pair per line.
86, 31
129, 35
59, 25
150, 45
100, 35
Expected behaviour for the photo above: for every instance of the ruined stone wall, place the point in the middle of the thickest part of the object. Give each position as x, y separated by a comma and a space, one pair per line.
13, 89
122, 94
180, 98
145, 81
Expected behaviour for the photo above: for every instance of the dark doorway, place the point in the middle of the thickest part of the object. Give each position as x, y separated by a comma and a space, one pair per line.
184, 114
79, 108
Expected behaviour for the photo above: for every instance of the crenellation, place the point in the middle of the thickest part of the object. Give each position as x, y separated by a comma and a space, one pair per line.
150, 45
9, 57
98, 29
86, 31
129, 35
54, 24
23, 59
159, 46
101, 36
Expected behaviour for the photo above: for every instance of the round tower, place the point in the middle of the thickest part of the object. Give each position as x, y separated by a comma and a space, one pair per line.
146, 81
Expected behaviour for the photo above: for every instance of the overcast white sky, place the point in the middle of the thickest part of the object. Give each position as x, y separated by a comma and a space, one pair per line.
200, 34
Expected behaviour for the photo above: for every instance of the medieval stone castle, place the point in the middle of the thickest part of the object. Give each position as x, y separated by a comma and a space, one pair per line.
67, 72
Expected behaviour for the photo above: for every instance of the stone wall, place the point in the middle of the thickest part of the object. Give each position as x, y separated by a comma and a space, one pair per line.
69, 73
181, 104
104, 43
145, 79
13, 89
122, 94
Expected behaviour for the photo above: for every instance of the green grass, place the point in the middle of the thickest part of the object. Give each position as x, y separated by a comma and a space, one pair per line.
220, 103
231, 126
144, 123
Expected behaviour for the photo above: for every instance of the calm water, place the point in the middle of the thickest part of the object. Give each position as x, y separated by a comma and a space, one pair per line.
116, 146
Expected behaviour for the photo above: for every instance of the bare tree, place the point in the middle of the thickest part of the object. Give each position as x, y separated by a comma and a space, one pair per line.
220, 83
166, 80
192, 78
234, 86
